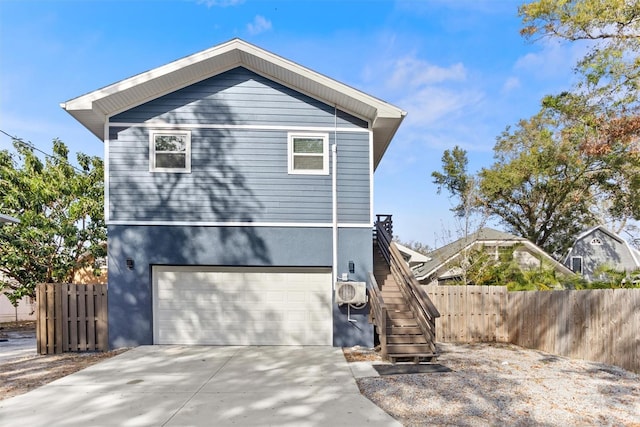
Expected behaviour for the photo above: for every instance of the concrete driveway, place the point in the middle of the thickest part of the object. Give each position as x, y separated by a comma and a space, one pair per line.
203, 386
14, 345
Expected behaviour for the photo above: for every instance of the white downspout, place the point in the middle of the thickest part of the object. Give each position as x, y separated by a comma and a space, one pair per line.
334, 196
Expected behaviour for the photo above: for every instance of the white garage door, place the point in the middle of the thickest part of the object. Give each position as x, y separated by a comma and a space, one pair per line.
242, 306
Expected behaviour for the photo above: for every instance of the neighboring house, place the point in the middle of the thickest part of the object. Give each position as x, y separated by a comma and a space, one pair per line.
88, 275
413, 258
26, 309
599, 247
238, 189
444, 262
26, 306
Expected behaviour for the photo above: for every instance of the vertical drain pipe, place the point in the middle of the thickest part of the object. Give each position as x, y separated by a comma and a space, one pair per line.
334, 194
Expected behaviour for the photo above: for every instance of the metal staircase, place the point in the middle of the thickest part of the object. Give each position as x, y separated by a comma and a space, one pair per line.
402, 312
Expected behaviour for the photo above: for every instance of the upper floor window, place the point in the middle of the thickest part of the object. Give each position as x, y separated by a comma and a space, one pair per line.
170, 151
596, 242
309, 153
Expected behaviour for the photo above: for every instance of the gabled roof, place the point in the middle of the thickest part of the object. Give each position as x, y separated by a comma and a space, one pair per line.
635, 254
93, 109
444, 255
603, 229
412, 257
8, 219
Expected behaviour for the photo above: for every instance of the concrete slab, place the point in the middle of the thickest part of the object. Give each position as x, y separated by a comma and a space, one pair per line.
178, 385
363, 370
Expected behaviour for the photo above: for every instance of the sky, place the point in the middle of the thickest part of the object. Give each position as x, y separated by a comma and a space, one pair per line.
459, 68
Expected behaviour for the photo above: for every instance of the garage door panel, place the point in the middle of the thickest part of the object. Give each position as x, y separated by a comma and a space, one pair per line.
249, 306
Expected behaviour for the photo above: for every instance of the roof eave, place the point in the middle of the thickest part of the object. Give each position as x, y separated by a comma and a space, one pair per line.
94, 108
384, 129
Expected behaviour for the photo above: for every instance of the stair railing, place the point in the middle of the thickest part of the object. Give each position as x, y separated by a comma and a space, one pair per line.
420, 303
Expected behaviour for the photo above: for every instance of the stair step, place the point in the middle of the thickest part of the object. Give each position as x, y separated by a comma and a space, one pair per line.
410, 349
406, 323
391, 294
406, 339
400, 314
403, 330
415, 358
396, 307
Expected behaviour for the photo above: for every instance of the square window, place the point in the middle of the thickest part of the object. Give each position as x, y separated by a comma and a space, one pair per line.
170, 151
309, 154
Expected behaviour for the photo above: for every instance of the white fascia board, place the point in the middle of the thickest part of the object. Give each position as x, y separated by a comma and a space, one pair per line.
94, 107
557, 264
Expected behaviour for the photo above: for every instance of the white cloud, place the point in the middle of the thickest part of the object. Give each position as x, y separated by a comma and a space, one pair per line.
220, 3
510, 84
415, 72
553, 61
431, 105
259, 25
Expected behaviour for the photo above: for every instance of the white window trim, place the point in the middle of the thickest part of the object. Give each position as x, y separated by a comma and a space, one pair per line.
596, 241
152, 151
325, 153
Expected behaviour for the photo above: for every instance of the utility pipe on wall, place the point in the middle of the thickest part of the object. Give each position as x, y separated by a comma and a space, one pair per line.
334, 191
334, 194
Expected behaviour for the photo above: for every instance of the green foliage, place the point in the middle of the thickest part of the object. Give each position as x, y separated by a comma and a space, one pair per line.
577, 162
61, 215
457, 181
491, 266
611, 68
540, 184
601, 115
462, 186
611, 278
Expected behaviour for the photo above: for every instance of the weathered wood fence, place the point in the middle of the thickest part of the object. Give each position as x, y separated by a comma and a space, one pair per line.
71, 318
600, 325
470, 313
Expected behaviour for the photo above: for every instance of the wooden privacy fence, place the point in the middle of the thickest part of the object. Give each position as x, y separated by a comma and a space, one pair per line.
71, 318
470, 313
601, 325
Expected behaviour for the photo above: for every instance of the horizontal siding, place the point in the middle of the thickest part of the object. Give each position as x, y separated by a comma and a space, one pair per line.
239, 97
353, 178
236, 175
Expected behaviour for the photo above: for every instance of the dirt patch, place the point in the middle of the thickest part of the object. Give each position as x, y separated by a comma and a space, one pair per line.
21, 326
21, 374
361, 354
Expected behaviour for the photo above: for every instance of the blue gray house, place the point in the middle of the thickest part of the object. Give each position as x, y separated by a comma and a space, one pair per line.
600, 247
238, 189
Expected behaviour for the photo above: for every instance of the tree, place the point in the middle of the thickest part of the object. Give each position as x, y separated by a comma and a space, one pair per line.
540, 185
463, 186
61, 217
602, 112
611, 67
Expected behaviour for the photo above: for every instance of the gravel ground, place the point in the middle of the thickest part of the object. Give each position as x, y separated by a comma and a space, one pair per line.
496, 384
